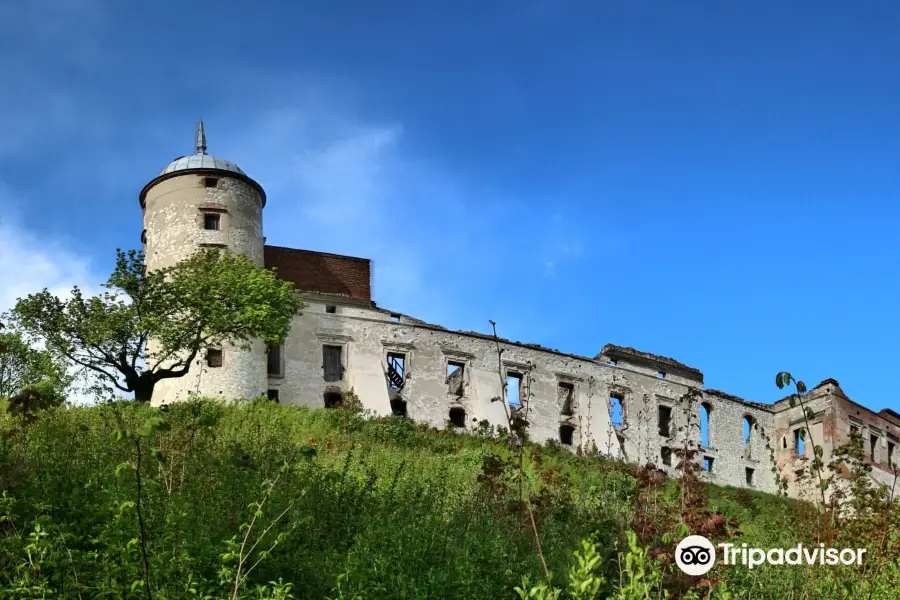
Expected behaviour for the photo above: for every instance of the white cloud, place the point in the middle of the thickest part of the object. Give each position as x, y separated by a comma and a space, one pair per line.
30, 262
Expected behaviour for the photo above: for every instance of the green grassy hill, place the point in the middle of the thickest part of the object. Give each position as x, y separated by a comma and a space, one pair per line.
313, 504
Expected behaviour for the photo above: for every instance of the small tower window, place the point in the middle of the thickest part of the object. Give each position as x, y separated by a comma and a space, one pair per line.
213, 357
211, 221
210, 182
331, 309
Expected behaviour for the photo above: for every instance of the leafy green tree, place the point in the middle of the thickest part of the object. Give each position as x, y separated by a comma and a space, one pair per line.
22, 365
147, 327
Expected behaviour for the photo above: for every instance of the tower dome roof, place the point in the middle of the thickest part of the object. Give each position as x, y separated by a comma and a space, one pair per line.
199, 163
201, 160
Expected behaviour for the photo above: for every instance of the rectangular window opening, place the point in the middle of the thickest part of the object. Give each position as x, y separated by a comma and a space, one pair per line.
566, 398
213, 357
332, 365
617, 408
708, 464
211, 221
455, 372
612, 362
331, 309
514, 389
664, 419
873, 447
748, 475
661, 374
274, 360
890, 456
395, 317
666, 454
396, 364
272, 395
566, 434
210, 182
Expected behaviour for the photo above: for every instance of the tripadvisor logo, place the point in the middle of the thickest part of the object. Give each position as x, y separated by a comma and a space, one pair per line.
696, 555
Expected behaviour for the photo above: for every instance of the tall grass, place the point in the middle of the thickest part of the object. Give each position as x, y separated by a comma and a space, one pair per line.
257, 500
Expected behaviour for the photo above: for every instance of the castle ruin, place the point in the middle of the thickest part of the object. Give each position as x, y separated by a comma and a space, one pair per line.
622, 401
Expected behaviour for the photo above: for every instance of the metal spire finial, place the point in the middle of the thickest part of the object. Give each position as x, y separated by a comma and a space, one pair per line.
201, 139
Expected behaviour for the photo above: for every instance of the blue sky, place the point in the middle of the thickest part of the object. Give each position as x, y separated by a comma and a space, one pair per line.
709, 181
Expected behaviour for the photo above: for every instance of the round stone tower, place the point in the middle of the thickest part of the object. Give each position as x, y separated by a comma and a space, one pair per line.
203, 201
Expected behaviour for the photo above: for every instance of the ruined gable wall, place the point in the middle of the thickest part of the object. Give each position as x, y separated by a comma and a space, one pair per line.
849, 414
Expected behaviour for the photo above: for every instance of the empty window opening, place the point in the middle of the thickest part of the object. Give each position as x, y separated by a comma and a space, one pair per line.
455, 372
566, 433
665, 453
213, 357
890, 456
799, 442
395, 317
873, 447
144, 236
330, 309
708, 464
784, 442
398, 407
663, 420
566, 398
211, 221
458, 416
274, 360
514, 389
854, 429
332, 363
210, 182
612, 362
748, 475
661, 374
272, 395
705, 413
396, 370
748, 435
333, 399
616, 408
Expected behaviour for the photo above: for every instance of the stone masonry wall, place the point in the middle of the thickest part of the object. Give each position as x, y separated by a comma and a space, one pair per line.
173, 229
366, 335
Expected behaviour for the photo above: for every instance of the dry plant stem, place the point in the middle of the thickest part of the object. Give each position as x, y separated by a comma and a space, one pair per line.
241, 558
887, 529
519, 449
137, 472
272, 547
71, 560
829, 532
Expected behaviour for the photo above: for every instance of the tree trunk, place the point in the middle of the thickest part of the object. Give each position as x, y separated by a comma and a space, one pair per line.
143, 391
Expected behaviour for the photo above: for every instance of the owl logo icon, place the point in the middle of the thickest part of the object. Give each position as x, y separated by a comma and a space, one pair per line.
695, 555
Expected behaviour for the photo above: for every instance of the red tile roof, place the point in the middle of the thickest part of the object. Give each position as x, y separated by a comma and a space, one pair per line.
321, 272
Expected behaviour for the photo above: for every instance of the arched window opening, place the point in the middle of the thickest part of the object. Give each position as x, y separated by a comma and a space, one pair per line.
749, 423
705, 413
333, 399
458, 416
